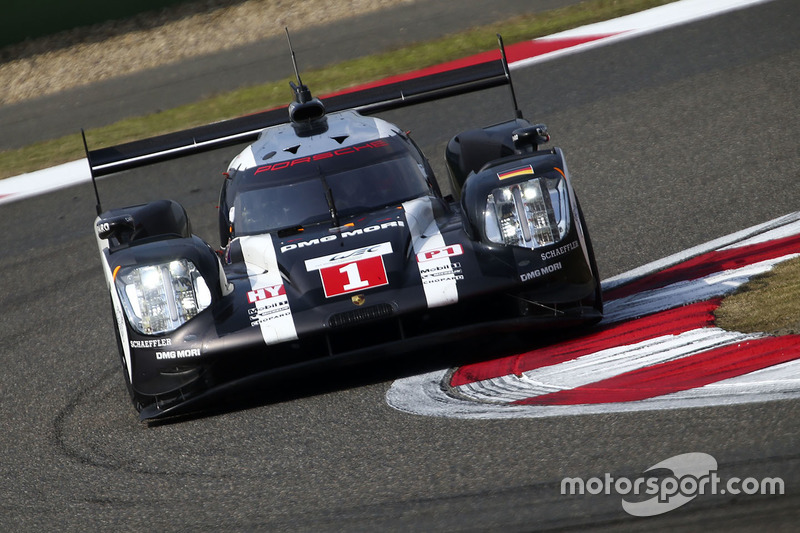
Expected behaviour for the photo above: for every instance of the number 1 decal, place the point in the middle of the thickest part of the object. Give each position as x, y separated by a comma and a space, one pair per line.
354, 279
362, 274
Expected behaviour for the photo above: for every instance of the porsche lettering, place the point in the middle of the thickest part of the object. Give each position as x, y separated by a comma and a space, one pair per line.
317, 157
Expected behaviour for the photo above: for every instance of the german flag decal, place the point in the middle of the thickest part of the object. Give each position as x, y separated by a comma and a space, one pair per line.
516, 172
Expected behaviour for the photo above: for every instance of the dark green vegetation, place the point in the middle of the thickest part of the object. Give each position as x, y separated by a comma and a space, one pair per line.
30, 19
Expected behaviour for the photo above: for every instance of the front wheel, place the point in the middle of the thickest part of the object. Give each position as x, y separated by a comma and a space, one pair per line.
598, 291
125, 371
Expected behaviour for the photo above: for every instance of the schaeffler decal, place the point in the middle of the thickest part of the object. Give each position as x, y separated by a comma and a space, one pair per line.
436, 270
658, 346
151, 343
271, 311
352, 270
561, 250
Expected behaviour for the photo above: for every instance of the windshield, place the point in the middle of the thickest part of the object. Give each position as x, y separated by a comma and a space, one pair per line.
379, 181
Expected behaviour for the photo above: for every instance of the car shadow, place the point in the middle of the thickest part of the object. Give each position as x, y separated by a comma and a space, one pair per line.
325, 375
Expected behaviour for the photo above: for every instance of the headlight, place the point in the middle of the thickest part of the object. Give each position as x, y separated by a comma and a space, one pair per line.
530, 214
159, 298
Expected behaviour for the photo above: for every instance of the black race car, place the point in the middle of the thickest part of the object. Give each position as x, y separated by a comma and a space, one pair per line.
336, 242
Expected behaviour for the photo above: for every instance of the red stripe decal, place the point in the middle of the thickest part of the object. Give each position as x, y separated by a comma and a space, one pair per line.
671, 322
707, 264
681, 374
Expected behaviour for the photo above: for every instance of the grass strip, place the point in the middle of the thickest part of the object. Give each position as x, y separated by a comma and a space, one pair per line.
769, 303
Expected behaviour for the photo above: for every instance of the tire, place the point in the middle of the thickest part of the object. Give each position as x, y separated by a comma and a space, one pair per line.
598, 291
137, 403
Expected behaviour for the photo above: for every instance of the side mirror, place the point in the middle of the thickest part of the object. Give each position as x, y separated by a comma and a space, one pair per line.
530, 137
108, 227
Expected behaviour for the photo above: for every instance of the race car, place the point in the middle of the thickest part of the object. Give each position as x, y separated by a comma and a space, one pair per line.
336, 242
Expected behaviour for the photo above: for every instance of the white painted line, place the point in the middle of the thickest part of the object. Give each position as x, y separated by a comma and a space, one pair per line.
46, 180
599, 366
637, 24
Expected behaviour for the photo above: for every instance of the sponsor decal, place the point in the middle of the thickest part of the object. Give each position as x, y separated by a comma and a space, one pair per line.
265, 293
526, 170
438, 253
265, 317
150, 343
352, 270
271, 311
561, 250
549, 269
318, 157
348, 256
179, 354
360, 275
342, 235
441, 273
437, 272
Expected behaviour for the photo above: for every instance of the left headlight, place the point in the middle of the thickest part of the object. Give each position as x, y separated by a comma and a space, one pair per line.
159, 298
530, 214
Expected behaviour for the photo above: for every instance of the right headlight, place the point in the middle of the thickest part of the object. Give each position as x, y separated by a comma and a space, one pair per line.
159, 298
530, 214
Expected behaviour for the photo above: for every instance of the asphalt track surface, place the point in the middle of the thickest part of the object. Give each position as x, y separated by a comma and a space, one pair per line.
674, 139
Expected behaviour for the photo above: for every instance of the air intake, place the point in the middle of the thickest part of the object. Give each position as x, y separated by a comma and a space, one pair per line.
359, 316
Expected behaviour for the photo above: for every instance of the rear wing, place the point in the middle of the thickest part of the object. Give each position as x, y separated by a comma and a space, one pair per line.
104, 161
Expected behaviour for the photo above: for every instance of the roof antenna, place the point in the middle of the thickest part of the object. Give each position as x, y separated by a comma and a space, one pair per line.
306, 112
91, 171
301, 93
507, 72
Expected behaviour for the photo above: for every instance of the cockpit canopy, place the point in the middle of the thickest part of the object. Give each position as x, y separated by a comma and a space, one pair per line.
330, 186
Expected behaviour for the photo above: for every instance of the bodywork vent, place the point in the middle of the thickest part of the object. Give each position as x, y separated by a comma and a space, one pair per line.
359, 316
